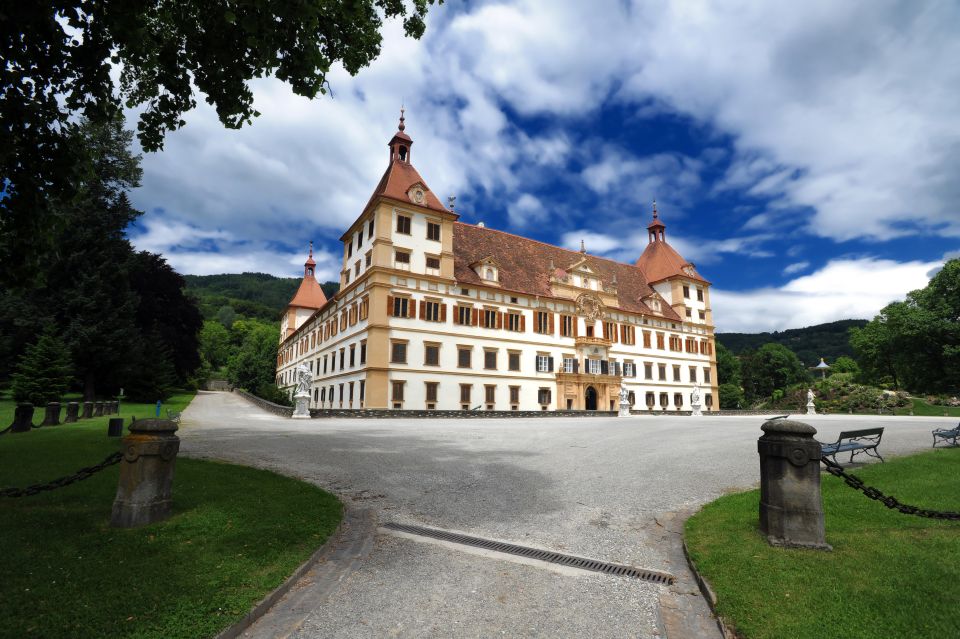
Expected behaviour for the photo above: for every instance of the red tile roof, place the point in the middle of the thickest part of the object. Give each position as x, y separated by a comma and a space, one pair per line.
397, 180
524, 266
660, 261
309, 295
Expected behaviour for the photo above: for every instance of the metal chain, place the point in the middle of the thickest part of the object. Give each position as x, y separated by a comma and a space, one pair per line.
80, 475
890, 502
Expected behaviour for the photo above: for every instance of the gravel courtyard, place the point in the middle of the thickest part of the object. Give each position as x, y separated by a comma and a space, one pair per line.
595, 487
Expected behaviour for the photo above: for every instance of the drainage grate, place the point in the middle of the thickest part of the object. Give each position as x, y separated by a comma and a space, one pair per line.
535, 553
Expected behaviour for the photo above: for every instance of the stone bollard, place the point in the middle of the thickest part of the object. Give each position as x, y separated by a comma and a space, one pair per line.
87, 410
145, 492
791, 508
52, 416
22, 418
115, 427
73, 410
98, 409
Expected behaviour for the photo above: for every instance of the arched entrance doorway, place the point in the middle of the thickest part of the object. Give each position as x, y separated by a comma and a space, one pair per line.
590, 398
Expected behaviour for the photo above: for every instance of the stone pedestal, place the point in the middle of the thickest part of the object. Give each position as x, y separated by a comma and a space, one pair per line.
52, 416
696, 410
87, 410
145, 491
811, 409
624, 409
22, 418
791, 508
301, 406
73, 410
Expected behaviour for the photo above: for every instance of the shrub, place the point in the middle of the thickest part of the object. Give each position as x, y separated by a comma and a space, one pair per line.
271, 393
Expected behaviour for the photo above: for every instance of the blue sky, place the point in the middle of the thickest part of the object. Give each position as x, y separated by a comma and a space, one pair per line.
803, 155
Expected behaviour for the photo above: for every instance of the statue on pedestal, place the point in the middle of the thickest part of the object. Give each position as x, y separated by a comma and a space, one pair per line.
301, 395
624, 401
811, 407
695, 400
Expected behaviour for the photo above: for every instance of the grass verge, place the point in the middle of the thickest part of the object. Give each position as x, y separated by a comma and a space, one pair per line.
921, 408
236, 534
889, 575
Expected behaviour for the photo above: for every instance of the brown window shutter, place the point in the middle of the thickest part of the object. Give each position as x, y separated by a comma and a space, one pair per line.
423, 309
623, 334
616, 331
390, 305
576, 325
500, 319
523, 323
550, 322
476, 316
443, 312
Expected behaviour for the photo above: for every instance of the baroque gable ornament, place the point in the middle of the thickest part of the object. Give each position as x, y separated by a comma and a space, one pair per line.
417, 193
590, 306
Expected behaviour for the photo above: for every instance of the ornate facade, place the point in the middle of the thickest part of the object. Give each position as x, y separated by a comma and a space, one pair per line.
433, 313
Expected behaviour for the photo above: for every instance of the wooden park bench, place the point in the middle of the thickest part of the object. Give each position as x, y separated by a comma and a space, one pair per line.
173, 417
855, 441
947, 434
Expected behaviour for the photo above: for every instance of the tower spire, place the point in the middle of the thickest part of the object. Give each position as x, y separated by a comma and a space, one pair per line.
400, 143
656, 230
309, 266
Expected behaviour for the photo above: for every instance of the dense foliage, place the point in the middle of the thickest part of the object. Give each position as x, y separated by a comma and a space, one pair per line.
123, 315
251, 295
915, 344
772, 368
93, 58
829, 341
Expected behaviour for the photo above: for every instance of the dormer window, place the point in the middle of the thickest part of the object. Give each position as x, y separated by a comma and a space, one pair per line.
487, 270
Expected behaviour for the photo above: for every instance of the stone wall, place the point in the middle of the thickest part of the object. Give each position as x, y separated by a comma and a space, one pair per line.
381, 413
217, 385
371, 413
276, 409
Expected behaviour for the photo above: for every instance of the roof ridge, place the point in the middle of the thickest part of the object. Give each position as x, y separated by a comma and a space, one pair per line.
530, 239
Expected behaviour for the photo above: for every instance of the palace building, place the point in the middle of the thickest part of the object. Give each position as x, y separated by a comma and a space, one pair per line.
434, 313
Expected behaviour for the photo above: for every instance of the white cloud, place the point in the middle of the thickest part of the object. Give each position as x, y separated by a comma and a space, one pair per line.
796, 267
526, 210
843, 113
629, 245
190, 249
843, 289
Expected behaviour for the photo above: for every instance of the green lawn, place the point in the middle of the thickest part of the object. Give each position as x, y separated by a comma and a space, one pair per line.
889, 575
236, 534
920, 407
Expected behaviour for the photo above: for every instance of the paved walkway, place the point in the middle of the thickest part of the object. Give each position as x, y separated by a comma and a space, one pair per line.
605, 488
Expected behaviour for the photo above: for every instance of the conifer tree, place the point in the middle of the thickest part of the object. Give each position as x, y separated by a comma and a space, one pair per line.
43, 372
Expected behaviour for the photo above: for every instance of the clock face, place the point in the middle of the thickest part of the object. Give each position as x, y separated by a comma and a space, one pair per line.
418, 196
688, 270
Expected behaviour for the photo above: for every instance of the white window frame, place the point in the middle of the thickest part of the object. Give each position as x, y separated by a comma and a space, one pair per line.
543, 363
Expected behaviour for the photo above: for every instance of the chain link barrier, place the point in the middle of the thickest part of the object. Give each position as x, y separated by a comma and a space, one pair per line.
80, 475
890, 502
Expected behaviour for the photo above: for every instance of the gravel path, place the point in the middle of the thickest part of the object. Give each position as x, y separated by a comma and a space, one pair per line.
586, 486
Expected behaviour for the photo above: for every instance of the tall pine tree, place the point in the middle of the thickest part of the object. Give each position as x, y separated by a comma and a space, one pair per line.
43, 372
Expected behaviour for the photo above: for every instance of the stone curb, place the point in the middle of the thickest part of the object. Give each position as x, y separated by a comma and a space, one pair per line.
352, 519
709, 595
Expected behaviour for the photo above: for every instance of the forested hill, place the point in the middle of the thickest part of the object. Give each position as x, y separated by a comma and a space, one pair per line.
253, 295
829, 341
